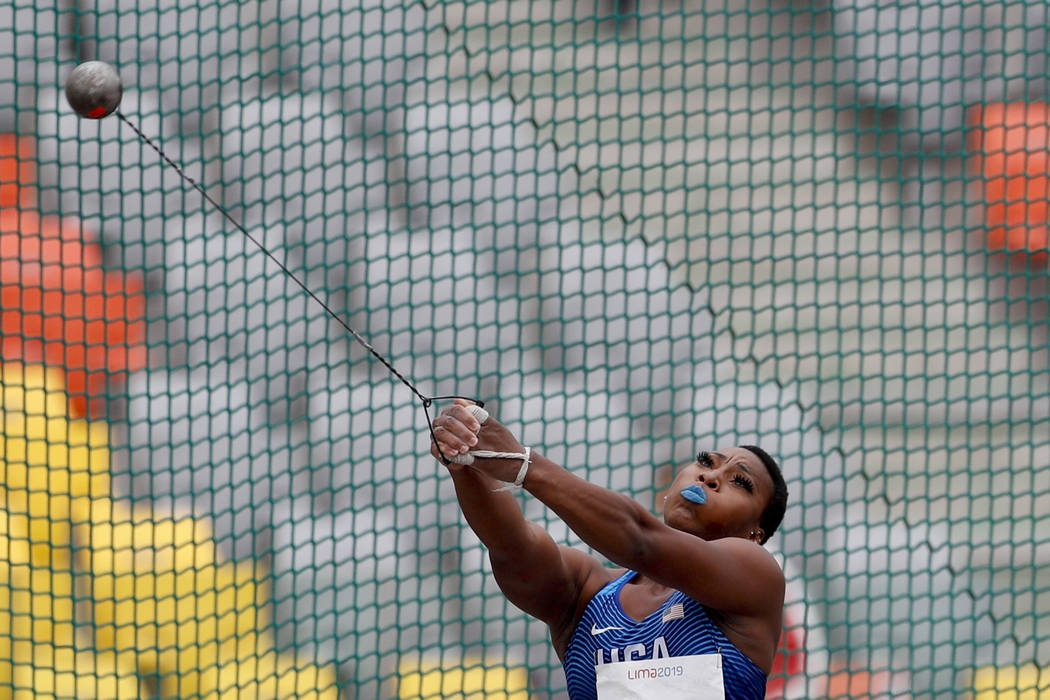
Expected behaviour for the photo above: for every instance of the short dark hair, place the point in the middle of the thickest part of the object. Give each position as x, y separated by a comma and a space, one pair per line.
773, 515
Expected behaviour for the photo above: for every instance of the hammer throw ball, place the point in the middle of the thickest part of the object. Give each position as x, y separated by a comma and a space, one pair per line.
93, 89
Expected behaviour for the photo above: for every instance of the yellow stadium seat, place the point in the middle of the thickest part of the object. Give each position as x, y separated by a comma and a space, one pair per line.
470, 680
1024, 682
40, 656
80, 674
163, 601
271, 675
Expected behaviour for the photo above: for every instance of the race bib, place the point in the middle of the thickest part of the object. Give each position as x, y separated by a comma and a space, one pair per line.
696, 677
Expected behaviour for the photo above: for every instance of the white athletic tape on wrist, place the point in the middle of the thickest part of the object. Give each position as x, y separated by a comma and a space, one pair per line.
481, 415
519, 480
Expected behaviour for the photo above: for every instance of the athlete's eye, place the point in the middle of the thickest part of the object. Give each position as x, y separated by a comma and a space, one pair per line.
704, 459
743, 481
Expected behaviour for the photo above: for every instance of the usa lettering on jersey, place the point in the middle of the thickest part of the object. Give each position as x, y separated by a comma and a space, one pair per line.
632, 652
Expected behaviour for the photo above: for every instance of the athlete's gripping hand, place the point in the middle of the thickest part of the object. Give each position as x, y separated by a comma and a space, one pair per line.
455, 432
458, 432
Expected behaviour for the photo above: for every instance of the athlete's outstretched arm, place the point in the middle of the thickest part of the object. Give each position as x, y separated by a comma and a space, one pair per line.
536, 574
732, 574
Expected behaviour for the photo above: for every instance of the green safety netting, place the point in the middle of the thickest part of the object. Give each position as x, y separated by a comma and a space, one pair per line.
632, 229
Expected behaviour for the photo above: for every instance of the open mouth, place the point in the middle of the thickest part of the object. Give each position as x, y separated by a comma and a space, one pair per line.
695, 493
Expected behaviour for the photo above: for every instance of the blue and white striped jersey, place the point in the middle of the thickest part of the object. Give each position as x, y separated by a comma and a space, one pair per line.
680, 627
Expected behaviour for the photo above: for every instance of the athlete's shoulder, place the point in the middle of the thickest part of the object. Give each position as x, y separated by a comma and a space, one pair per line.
590, 574
750, 552
591, 577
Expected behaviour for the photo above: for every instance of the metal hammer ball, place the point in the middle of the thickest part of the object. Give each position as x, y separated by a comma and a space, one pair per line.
93, 89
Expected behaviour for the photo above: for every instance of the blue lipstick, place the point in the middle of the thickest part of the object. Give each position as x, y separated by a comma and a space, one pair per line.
695, 493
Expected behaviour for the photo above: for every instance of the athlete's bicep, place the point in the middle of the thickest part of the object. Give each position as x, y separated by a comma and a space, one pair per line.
542, 578
731, 574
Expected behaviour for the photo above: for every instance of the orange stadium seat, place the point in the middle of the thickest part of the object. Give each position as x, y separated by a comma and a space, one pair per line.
1010, 147
57, 303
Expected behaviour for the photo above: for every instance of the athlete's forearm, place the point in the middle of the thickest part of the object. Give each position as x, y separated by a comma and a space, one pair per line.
533, 572
615, 525
612, 523
494, 516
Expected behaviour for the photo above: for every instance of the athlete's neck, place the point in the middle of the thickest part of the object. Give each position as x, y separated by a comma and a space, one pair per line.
640, 596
